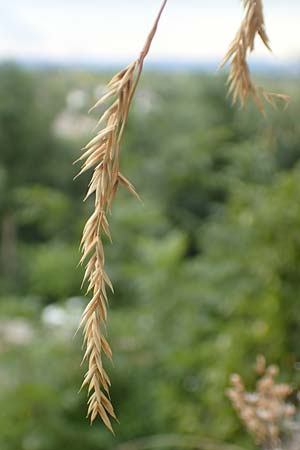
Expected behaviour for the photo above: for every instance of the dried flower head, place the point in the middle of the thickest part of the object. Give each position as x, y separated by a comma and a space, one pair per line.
265, 410
102, 154
239, 79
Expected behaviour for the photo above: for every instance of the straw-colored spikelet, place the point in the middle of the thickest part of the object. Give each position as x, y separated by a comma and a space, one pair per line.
103, 154
239, 79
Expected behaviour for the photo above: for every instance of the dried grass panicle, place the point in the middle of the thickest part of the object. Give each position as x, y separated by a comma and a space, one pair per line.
239, 79
266, 411
102, 154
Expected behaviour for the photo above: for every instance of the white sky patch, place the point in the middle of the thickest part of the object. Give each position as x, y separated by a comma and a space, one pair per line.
114, 30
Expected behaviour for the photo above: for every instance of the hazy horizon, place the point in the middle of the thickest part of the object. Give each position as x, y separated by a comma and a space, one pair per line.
257, 65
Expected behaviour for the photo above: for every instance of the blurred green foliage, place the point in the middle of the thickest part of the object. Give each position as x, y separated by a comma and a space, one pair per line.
206, 271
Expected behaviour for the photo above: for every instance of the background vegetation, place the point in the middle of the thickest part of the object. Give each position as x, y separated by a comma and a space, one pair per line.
206, 272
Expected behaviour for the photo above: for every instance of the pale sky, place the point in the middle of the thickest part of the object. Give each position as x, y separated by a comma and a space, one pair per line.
113, 30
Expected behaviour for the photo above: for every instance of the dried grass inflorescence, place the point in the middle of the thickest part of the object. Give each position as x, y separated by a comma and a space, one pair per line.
266, 410
239, 79
103, 154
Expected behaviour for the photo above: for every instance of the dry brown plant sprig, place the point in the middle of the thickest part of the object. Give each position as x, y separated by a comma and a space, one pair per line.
239, 78
103, 154
264, 411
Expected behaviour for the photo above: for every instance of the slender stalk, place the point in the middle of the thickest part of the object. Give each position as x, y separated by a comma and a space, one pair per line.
141, 60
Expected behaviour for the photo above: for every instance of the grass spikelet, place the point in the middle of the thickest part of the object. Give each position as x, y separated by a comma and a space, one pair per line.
102, 154
239, 81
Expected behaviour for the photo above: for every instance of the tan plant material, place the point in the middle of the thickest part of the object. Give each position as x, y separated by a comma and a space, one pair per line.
266, 411
239, 79
102, 154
